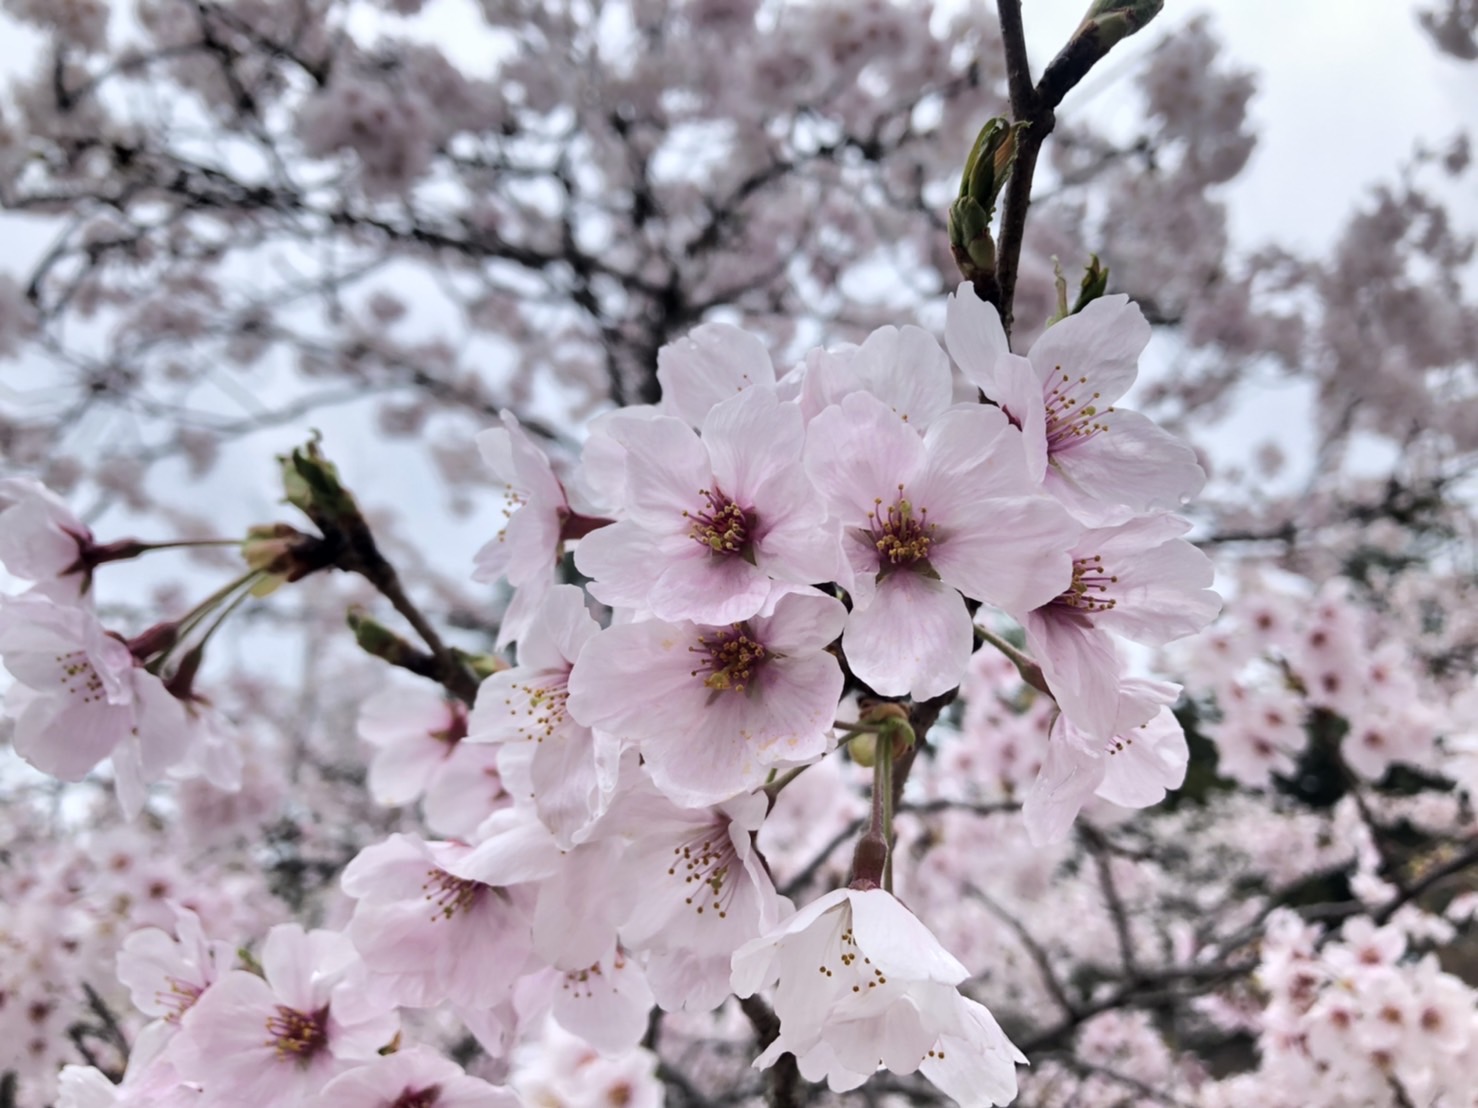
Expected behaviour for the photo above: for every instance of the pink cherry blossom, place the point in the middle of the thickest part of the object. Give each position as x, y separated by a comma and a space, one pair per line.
607, 1003
428, 935
166, 975
1145, 756
526, 549
416, 1076
929, 521
279, 1038
569, 770
713, 709
711, 522
1140, 579
81, 697
885, 996
41, 540
1061, 395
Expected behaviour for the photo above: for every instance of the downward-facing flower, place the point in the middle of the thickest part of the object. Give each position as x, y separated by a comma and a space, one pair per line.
711, 522
1145, 756
860, 984
429, 935
1092, 455
1140, 579
714, 708
81, 697
276, 1039
569, 772
413, 1078
928, 521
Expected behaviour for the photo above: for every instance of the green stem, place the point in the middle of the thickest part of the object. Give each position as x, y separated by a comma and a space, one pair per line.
1030, 672
882, 790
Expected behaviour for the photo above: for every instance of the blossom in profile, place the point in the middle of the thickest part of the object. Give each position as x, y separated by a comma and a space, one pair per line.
41, 540
1103, 462
861, 984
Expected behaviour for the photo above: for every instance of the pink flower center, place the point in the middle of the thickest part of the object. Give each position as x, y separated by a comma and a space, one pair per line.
901, 537
449, 894
704, 863
418, 1098
1069, 419
1088, 592
297, 1035
723, 527
728, 658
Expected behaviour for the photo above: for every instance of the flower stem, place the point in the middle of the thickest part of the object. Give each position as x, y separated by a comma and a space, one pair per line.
1030, 672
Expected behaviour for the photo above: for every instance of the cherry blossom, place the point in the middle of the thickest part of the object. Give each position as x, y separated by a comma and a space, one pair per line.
885, 996
413, 1077
41, 540
714, 709
930, 521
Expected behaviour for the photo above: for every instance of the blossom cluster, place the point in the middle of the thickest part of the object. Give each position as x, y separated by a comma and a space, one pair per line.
768, 551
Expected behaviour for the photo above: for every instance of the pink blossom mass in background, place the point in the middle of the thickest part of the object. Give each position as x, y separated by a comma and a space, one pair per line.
706, 553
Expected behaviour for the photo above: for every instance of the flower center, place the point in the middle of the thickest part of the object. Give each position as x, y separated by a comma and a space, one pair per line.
546, 710
418, 1098
1088, 592
80, 677
298, 1035
1069, 418
729, 658
180, 997
723, 527
449, 895
704, 863
854, 965
902, 538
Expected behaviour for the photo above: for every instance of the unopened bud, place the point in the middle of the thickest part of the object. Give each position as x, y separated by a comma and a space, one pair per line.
893, 726
1093, 285
282, 553
863, 749
986, 171
377, 639
310, 483
482, 666
1112, 21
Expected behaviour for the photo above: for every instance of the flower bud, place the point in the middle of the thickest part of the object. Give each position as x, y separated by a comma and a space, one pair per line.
986, 171
1093, 285
1112, 21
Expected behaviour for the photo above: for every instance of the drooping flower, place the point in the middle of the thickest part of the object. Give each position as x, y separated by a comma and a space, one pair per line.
1097, 459
713, 709
860, 984
41, 540
928, 521
1145, 756
711, 522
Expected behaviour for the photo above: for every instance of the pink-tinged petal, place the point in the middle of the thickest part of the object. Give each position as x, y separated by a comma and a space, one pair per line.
1068, 777
289, 965
566, 780
1103, 343
1011, 552
709, 365
751, 439
914, 639
753, 963
37, 544
977, 1066
1081, 667
563, 626
619, 559
1135, 462
67, 741
857, 452
651, 656
598, 487
1146, 763
976, 340
974, 455
162, 728
708, 588
785, 718
496, 447
905, 369
1021, 397
667, 469
1162, 592
515, 849
802, 623
827, 377
607, 1005
898, 943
